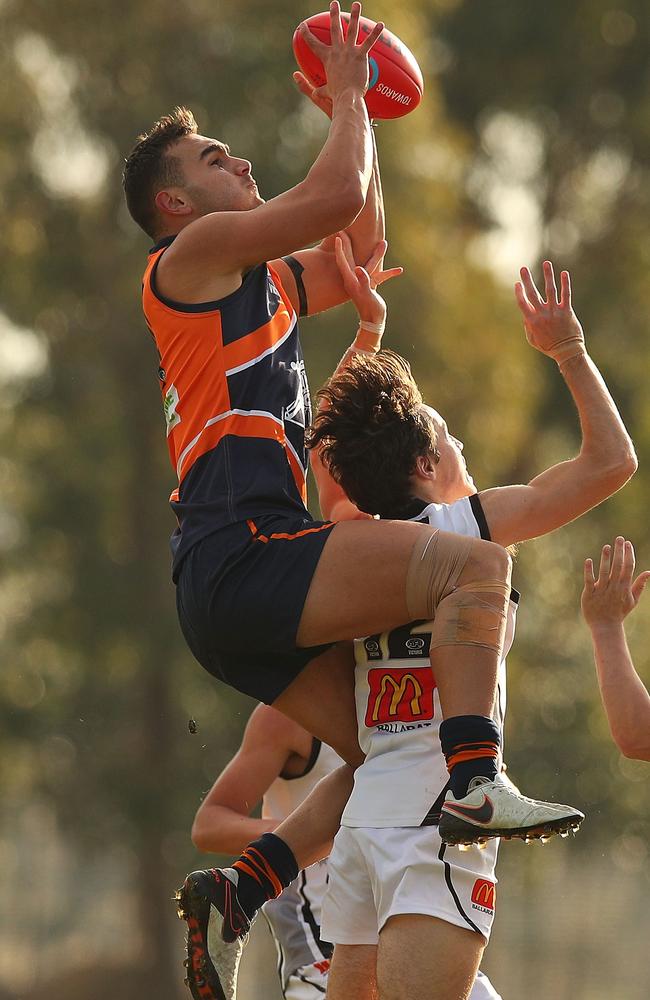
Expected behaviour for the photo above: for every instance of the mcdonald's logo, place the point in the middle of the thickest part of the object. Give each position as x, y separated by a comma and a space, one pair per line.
484, 894
399, 695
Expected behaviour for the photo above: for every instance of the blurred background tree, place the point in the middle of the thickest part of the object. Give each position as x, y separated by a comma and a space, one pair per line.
533, 140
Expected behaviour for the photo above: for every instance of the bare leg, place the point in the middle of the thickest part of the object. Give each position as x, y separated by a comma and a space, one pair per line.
424, 958
311, 828
359, 588
353, 973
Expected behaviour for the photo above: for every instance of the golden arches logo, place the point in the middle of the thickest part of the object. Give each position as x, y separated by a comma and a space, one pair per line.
398, 695
483, 893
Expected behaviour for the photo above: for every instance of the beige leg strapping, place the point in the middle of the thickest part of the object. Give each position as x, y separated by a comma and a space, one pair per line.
472, 614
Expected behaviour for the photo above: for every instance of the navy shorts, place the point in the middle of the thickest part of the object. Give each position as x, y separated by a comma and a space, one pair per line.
240, 593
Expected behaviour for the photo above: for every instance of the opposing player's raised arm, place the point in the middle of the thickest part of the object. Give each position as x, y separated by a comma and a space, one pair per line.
331, 195
360, 286
606, 459
606, 602
223, 823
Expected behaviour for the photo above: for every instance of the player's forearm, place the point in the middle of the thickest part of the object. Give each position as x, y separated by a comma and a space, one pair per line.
369, 228
223, 831
606, 459
343, 169
606, 445
625, 698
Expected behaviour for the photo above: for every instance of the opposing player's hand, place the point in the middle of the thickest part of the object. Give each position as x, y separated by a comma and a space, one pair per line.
610, 598
551, 325
361, 283
345, 62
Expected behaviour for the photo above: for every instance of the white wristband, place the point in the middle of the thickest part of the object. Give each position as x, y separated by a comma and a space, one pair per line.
372, 327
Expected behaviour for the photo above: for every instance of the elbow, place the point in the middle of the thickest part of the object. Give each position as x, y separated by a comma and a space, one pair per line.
202, 838
620, 470
348, 206
627, 463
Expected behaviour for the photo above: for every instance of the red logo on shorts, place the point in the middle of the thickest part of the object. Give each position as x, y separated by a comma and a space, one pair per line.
484, 894
399, 695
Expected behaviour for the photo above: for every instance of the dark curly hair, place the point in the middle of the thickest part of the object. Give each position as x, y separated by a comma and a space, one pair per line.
370, 430
149, 167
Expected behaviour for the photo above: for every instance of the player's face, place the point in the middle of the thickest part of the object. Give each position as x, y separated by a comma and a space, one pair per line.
215, 180
450, 481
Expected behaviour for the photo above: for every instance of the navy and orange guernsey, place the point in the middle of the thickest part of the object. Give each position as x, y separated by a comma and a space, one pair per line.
236, 403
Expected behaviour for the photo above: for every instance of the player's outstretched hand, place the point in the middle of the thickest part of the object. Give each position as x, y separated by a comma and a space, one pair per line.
551, 325
361, 283
345, 62
610, 598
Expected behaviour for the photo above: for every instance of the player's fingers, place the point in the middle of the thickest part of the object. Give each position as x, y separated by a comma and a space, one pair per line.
530, 287
379, 277
589, 575
303, 84
629, 562
565, 290
363, 278
603, 569
549, 283
376, 257
639, 585
315, 44
342, 259
353, 24
336, 28
370, 39
616, 570
346, 245
522, 301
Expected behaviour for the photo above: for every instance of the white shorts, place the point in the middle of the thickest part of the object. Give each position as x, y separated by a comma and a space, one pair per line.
308, 983
375, 874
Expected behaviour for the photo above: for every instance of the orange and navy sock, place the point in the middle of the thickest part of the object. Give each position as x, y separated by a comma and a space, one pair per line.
471, 745
266, 867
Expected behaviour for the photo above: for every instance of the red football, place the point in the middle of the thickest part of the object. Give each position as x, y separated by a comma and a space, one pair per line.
396, 82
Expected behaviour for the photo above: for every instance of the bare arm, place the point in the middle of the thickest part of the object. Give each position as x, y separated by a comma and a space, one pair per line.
360, 286
605, 603
606, 459
329, 198
321, 276
223, 823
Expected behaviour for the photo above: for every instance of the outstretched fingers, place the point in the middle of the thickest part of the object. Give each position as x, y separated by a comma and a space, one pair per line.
550, 288
530, 288
527, 310
603, 569
336, 28
638, 586
353, 24
370, 39
589, 576
618, 557
376, 257
565, 290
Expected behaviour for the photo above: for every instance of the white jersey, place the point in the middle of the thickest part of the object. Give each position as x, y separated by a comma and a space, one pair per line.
294, 917
404, 778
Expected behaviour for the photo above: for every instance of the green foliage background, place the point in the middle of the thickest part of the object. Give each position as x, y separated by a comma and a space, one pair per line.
533, 139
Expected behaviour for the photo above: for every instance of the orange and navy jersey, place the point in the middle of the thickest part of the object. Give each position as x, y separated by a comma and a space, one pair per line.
235, 399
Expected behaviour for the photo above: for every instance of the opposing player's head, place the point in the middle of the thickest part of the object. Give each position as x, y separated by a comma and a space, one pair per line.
173, 176
382, 443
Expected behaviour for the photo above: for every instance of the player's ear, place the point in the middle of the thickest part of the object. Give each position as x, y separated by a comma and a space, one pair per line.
425, 466
173, 202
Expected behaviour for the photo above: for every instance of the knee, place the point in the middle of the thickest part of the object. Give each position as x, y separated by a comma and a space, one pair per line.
490, 561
